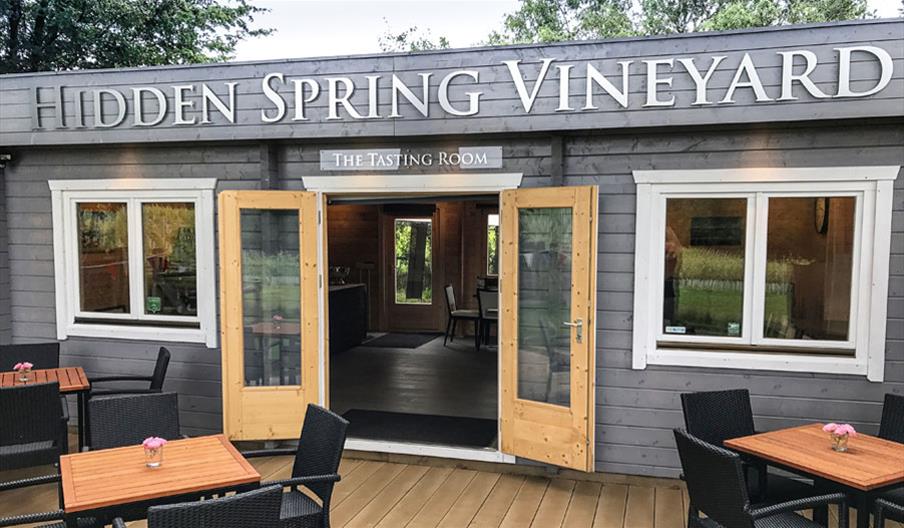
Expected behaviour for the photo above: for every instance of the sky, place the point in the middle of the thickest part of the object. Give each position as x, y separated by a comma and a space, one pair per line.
316, 28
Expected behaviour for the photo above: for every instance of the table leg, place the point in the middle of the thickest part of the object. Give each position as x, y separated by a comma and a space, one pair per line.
80, 405
862, 502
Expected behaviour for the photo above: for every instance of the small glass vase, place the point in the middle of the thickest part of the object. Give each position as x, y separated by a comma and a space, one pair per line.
153, 458
840, 443
24, 375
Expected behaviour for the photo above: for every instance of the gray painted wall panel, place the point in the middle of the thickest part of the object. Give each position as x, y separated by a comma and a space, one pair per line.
501, 109
5, 306
635, 409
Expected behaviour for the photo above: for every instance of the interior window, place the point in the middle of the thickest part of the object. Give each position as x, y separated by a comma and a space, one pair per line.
413, 261
493, 244
170, 280
103, 254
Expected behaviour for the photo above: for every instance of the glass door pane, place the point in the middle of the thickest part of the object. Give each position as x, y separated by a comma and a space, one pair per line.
544, 304
271, 297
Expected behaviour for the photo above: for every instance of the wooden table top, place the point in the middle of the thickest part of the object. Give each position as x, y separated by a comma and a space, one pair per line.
109, 477
71, 379
868, 464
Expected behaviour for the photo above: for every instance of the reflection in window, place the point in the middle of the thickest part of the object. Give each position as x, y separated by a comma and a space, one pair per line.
170, 281
103, 252
704, 266
271, 297
544, 304
413, 261
493, 244
809, 251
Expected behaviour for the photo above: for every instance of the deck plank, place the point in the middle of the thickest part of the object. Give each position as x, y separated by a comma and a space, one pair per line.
526, 503
361, 497
348, 485
498, 502
610, 510
442, 501
555, 504
465, 507
370, 515
582, 508
415, 499
639, 510
668, 508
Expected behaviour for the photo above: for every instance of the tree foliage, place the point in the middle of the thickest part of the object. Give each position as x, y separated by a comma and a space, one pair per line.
411, 39
562, 20
37, 35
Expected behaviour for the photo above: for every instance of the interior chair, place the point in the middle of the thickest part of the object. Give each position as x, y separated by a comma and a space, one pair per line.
456, 315
154, 381
717, 489
887, 510
41, 355
253, 509
33, 432
316, 468
717, 416
488, 306
127, 419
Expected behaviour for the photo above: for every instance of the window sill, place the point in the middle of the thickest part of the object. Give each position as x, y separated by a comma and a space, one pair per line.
140, 333
811, 363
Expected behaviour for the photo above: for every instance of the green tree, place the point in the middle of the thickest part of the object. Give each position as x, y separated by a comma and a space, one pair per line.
411, 39
562, 20
38, 35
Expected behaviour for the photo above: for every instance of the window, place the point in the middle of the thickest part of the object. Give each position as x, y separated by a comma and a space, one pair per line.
413, 261
778, 269
492, 244
135, 260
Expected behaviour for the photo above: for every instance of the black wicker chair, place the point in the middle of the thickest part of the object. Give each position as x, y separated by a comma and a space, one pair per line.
253, 509
41, 355
154, 381
316, 468
33, 432
717, 416
892, 425
885, 509
127, 419
717, 489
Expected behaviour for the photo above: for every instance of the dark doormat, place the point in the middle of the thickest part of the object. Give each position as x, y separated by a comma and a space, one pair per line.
401, 340
421, 428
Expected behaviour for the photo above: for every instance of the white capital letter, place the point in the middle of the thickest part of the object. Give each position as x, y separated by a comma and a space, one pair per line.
137, 96
753, 81
788, 76
300, 100
701, 80
99, 107
274, 98
207, 97
653, 82
595, 77
527, 101
399, 87
473, 97
844, 70
334, 100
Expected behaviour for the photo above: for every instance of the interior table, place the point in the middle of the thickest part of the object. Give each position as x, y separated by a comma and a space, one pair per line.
870, 465
72, 380
111, 483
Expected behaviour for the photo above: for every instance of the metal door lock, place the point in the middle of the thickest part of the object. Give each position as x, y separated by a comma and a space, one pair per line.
578, 325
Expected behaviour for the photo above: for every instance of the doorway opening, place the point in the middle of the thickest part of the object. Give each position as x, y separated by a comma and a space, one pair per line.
399, 264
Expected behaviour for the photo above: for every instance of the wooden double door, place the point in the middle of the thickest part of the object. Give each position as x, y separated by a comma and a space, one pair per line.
274, 301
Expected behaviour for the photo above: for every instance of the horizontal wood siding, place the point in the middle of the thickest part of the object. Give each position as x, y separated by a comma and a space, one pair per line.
501, 109
5, 329
635, 410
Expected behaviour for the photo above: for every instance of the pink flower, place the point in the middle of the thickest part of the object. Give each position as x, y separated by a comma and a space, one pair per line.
277, 317
830, 428
840, 429
25, 365
153, 442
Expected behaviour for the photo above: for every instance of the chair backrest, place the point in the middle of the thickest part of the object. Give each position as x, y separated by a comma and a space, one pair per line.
715, 481
450, 298
41, 355
892, 425
253, 509
31, 414
163, 359
320, 447
487, 300
716, 416
124, 420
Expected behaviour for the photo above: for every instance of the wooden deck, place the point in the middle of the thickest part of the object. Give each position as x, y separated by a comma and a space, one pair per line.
378, 494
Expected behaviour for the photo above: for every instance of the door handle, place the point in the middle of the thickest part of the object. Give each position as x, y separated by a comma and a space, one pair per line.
578, 325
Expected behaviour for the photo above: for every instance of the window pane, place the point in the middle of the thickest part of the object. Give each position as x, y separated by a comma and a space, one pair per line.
704, 266
103, 253
544, 304
810, 248
271, 297
414, 261
493, 244
170, 281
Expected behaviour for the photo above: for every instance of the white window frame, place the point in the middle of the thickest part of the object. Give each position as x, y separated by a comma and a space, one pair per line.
873, 188
66, 194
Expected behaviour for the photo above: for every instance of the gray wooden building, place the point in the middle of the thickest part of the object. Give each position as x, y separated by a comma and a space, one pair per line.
766, 161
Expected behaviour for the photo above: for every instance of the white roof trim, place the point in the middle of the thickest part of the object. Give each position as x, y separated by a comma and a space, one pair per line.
452, 182
134, 184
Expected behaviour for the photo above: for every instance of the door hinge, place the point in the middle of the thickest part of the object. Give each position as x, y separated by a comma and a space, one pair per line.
319, 217
320, 281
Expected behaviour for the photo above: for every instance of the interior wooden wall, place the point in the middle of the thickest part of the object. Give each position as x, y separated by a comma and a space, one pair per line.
356, 235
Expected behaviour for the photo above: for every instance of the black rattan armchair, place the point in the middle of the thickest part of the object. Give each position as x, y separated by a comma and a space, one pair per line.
316, 468
28, 518
717, 489
154, 381
33, 432
885, 509
41, 355
253, 509
717, 416
127, 419
892, 425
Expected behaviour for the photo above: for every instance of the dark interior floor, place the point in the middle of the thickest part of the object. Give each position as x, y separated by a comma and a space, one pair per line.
434, 380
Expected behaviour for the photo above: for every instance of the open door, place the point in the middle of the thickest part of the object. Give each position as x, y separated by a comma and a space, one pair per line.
269, 311
547, 324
